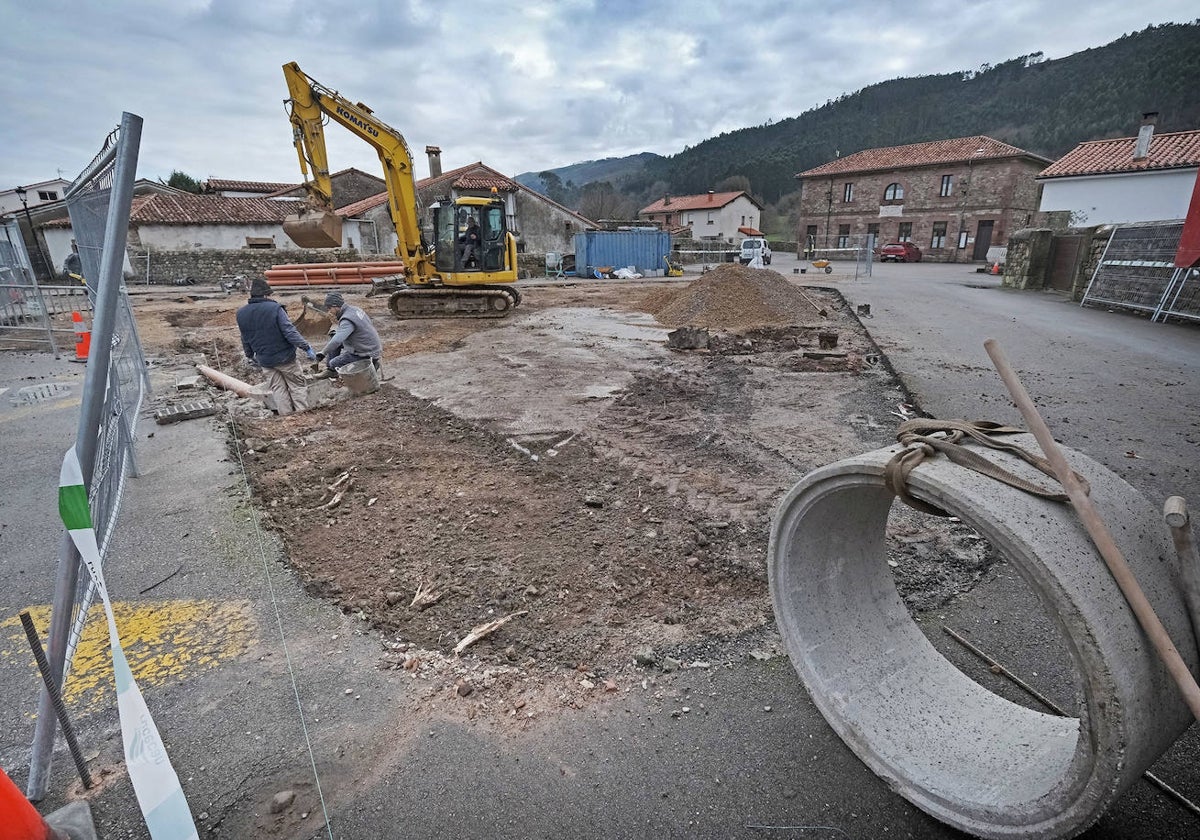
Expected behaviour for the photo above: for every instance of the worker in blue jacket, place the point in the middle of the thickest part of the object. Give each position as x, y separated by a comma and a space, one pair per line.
270, 340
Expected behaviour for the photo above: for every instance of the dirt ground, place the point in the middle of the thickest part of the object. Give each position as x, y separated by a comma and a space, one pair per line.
564, 473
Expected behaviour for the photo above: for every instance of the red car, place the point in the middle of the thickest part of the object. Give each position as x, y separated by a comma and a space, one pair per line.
899, 252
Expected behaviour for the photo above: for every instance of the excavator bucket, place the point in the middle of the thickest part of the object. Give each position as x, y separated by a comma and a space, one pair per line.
313, 322
314, 229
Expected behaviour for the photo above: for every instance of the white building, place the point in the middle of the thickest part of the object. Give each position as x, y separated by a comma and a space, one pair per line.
1147, 178
43, 192
713, 215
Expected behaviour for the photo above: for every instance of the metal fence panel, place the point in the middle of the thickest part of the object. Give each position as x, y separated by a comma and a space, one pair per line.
115, 385
25, 319
1137, 269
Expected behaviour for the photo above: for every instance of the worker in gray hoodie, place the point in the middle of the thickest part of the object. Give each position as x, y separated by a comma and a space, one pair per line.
354, 337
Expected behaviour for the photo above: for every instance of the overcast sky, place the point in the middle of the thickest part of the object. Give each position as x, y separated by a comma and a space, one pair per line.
523, 86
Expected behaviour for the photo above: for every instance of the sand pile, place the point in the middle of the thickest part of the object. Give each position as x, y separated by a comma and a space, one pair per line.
735, 296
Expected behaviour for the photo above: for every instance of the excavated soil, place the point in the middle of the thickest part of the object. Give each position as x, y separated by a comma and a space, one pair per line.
603, 499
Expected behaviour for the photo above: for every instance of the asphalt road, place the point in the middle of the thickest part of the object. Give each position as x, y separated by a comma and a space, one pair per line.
752, 758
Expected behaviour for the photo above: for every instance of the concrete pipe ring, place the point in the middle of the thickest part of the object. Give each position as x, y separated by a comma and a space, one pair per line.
969, 757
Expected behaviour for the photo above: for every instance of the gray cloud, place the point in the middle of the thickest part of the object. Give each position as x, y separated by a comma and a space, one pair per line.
522, 87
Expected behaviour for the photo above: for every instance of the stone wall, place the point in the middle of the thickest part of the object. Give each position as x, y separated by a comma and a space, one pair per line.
1028, 260
209, 265
1027, 265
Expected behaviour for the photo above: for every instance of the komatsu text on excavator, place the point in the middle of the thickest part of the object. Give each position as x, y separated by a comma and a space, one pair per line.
473, 256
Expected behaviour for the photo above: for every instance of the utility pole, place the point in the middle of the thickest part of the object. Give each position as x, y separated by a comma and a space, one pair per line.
49, 272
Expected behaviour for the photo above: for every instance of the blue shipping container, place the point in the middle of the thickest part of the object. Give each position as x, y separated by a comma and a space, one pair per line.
642, 249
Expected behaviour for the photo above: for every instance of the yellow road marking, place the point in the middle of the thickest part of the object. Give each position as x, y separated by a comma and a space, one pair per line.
164, 641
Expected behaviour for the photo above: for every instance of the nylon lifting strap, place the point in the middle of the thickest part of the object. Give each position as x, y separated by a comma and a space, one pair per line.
925, 437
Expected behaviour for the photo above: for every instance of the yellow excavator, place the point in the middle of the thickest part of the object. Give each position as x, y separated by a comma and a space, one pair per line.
473, 257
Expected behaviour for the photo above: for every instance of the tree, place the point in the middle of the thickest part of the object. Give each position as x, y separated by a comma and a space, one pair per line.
600, 200
734, 183
554, 186
183, 181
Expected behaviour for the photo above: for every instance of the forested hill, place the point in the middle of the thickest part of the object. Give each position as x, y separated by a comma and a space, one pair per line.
1046, 107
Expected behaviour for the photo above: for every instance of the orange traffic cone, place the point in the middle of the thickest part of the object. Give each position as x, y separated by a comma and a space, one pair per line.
995, 268
83, 337
19, 820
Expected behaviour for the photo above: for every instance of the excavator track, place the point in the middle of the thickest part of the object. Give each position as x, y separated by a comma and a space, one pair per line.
454, 302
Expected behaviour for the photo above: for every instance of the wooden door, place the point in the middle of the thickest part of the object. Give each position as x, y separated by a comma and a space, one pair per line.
1063, 262
983, 240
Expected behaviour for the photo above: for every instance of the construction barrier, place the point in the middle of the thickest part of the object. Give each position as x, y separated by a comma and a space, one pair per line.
19, 820
83, 337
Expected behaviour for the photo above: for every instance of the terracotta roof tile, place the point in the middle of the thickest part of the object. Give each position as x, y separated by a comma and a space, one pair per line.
473, 176
368, 203
1170, 150
704, 201
209, 210
933, 153
217, 184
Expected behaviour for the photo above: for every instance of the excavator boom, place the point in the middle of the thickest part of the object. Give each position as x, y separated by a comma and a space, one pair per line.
473, 250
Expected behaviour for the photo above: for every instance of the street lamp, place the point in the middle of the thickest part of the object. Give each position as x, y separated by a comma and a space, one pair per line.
21, 193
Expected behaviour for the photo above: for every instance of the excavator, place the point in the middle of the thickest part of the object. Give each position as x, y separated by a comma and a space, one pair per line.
467, 272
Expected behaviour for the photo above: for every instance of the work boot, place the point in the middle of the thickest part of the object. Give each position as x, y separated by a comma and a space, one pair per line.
325, 374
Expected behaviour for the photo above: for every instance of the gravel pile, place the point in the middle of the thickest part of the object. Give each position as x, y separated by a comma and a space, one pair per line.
736, 296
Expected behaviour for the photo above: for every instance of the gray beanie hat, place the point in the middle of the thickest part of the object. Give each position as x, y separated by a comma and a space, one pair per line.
259, 287
334, 299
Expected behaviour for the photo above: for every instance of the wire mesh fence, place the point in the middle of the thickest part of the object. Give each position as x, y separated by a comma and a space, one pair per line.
88, 203
1137, 271
33, 316
115, 386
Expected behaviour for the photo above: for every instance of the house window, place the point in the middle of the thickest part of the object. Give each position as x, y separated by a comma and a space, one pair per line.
848, 193
962, 239
938, 240
710, 218
743, 221
905, 233
873, 230
47, 195
843, 239
894, 192
947, 185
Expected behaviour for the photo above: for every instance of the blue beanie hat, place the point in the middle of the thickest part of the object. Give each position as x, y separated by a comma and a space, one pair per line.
334, 299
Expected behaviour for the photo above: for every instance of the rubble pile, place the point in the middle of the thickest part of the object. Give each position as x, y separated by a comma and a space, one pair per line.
732, 296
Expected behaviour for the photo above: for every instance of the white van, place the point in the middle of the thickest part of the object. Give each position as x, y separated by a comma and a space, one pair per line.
755, 246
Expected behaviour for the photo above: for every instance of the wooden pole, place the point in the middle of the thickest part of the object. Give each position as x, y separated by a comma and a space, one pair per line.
1175, 513
1098, 531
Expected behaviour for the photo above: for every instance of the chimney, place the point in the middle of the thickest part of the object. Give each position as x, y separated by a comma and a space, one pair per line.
1141, 150
435, 161
710, 195
667, 200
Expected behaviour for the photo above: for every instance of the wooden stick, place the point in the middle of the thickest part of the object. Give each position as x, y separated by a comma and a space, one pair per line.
1094, 523
482, 630
1175, 513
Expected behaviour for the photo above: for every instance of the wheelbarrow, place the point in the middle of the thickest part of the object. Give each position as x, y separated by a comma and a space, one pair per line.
822, 264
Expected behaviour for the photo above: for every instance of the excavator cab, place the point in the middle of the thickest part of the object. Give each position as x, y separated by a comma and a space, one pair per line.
471, 236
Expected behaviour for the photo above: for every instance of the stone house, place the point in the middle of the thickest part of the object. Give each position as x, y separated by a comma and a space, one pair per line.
954, 199
710, 216
540, 224
1130, 179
